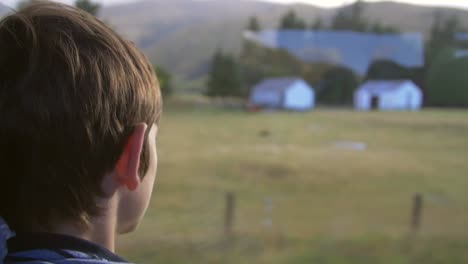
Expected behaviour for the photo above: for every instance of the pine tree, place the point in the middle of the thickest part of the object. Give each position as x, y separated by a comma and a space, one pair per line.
291, 21
442, 36
165, 81
224, 78
351, 18
379, 28
253, 25
88, 6
317, 24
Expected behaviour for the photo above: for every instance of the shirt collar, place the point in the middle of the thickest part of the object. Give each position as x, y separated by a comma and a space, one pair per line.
54, 242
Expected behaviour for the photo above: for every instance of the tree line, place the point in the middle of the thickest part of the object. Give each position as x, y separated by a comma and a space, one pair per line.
348, 18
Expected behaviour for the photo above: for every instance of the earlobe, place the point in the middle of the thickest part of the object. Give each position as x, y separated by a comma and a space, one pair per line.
126, 169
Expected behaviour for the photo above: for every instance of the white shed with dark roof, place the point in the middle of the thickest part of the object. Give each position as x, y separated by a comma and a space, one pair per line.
388, 96
283, 93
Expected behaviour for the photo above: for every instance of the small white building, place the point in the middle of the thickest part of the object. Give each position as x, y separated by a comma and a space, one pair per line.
388, 96
283, 93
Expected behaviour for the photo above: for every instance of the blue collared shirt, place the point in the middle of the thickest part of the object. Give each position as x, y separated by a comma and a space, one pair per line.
46, 248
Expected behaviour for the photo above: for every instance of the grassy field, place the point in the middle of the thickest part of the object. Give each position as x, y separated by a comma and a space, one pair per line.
306, 191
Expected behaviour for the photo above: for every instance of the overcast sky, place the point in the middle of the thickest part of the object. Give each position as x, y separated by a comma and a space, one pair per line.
324, 3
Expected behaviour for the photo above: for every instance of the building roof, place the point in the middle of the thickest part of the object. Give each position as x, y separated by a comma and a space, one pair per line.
277, 85
347, 48
383, 86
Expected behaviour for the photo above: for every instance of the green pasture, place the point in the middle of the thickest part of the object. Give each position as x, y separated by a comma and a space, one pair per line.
328, 186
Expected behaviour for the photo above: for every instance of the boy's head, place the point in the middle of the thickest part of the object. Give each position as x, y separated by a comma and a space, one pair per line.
75, 101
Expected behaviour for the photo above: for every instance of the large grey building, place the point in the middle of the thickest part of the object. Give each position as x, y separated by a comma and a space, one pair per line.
354, 50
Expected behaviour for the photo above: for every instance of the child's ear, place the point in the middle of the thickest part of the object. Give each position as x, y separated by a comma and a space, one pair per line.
126, 169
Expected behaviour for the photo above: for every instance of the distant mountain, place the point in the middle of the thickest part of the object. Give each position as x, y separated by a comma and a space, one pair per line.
182, 35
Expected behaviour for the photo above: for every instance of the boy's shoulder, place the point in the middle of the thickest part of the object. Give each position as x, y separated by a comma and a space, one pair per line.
45, 248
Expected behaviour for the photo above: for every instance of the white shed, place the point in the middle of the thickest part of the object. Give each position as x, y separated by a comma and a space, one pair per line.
388, 96
283, 93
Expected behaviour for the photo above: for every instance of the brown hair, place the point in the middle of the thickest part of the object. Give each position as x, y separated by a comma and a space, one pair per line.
71, 91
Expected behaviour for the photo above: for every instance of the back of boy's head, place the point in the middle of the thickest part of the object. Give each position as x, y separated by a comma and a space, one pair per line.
71, 91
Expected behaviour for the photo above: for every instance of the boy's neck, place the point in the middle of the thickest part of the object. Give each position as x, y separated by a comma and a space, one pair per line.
101, 230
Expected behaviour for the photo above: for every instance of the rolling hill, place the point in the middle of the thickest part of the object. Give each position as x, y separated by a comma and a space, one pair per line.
182, 35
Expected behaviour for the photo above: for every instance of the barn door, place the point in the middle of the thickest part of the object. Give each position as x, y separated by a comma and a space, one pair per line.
374, 103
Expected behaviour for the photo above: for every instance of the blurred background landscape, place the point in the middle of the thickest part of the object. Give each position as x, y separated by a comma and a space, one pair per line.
242, 182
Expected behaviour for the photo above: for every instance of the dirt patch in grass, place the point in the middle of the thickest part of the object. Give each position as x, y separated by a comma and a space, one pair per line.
270, 170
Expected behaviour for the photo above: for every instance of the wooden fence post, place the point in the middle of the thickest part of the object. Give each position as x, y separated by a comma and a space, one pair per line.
416, 213
229, 214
